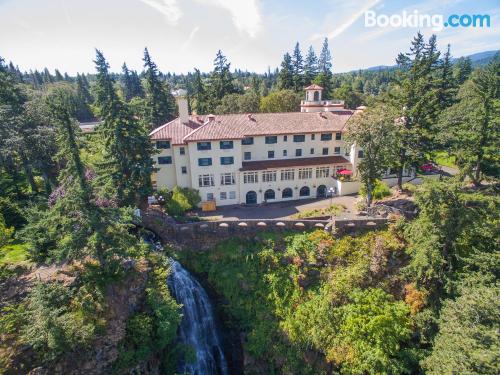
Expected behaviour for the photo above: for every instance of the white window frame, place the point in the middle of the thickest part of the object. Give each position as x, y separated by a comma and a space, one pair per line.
205, 180
250, 177
322, 172
268, 176
227, 179
305, 173
287, 174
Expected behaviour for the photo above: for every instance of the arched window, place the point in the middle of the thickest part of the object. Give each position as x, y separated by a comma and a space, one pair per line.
269, 194
304, 191
251, 197
316, 96
321, 191
287, 193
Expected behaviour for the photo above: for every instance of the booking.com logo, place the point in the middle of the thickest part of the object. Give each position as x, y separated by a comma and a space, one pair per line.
416, 19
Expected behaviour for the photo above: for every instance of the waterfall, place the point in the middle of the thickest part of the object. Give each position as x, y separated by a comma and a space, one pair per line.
197, 328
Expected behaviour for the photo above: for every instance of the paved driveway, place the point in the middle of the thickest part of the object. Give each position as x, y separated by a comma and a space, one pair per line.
280, 210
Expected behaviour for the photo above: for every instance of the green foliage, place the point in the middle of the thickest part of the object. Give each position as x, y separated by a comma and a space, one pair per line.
153, 331
280, 101
182, 200
380, 190
467, 342
304, 304
54, 325
5, 232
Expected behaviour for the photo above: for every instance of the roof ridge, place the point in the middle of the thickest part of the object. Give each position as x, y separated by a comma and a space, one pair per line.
195, 130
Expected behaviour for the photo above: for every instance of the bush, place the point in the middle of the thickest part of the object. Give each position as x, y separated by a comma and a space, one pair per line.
182, 200
5, 232
380, 190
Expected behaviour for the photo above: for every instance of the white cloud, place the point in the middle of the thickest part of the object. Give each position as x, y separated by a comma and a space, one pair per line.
348, 22
169, 8
190, 38
246, 15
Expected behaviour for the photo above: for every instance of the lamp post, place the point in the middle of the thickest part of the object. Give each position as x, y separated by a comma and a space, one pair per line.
331, 191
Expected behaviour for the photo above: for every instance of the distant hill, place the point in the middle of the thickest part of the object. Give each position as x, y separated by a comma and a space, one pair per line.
477, 59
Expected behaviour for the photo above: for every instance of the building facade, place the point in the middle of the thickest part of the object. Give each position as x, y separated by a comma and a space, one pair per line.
256, 158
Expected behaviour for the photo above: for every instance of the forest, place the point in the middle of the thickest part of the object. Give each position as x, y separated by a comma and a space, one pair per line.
81, 290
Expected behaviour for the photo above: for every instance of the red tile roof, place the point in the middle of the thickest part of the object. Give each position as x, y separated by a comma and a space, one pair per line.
314, 87
237, 126
288, 163
175, 131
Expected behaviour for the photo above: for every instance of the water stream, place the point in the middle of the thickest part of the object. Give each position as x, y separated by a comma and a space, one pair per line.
198, 328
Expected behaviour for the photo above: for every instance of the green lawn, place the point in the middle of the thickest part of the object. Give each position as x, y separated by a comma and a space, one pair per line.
442, 158
334, 209
13, 254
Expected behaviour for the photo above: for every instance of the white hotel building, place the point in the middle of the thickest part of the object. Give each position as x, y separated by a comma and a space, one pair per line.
256, 158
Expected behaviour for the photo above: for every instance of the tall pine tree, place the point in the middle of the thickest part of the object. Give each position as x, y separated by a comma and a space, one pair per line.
160, 104
126, 163
298, 69
324, 78
310, 66
285, 75
221, 81
199, 95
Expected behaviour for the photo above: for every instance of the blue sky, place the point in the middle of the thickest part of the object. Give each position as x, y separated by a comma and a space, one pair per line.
253, 34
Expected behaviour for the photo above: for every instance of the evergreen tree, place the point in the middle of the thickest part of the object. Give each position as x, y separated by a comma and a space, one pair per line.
463, 69
310, 66
127, 163
58, 76
126, 83
160, 104
84, 113
285, 75
446, 84
221, 81
415, 97
298, 69
324, 78
200, 98
47, 77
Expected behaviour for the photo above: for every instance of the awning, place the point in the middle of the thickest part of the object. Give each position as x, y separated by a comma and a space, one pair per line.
344, 172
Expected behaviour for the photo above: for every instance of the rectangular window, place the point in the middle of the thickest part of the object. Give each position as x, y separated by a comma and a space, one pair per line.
270, 154
326, 136
223, 195
285, 138
227, 179
210, 196
184, 170
182, 150
204, 162
232, 195
360, 154
163, 144
299, 138
298, 152
287, 174
285, 152
205, 180
313, 136
312, 151
338, 136
322, 172
227, 160
203, 146
226, 145
305, 173
247, 141
247, 156
336, 150
269, 176
271, 139
325, 151
250, 177
164, 160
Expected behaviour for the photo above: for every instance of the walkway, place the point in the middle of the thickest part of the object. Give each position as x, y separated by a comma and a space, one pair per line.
281, 210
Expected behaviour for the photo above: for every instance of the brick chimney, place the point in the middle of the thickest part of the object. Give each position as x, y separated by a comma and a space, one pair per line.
182, 104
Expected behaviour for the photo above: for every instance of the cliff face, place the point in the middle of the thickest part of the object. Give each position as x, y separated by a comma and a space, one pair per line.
122, 300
